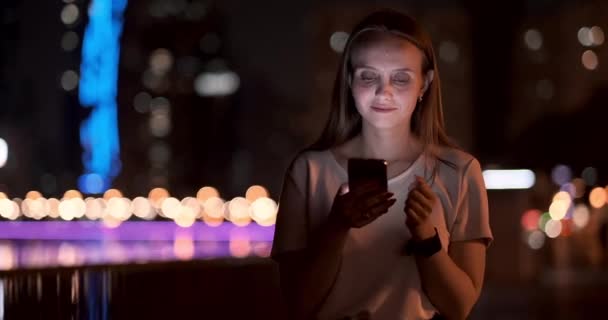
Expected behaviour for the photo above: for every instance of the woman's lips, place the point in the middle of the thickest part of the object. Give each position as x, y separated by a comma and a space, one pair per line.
383, 109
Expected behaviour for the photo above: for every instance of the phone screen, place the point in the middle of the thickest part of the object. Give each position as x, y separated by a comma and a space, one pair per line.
363, 171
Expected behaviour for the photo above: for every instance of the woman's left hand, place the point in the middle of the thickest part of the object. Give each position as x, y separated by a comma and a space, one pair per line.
418, 208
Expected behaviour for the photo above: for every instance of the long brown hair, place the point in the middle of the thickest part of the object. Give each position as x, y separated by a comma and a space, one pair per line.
344, 121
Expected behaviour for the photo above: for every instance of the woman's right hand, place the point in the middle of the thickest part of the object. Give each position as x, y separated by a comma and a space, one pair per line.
357, 208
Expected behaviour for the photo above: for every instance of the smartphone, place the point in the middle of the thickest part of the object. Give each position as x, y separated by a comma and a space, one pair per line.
363, 171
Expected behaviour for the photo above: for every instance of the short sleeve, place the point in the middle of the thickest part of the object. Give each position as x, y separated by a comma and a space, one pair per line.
292, 223
472, 219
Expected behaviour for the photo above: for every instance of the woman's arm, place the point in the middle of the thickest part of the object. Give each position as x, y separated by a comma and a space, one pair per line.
308, 275
453, 280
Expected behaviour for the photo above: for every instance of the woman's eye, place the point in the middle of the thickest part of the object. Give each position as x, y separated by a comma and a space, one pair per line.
401, 79
367, 76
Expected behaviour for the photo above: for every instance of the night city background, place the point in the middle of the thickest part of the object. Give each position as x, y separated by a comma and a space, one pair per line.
190, 111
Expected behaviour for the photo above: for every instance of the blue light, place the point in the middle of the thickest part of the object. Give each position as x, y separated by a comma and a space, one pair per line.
91, 183
97, 90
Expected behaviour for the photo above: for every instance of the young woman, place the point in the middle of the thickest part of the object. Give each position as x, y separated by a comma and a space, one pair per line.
414, 252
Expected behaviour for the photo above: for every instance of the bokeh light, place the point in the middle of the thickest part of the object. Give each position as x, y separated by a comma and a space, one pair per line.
597, 197
209, 84
214, 208
561, 174
580, 217
542, 221
205, 193
183, 247
589, 60
579, 187
193, 204
69, 14
584, 36
69, 41
553, 228
7, 257
157, 195
170, 207
3, 152
69, 80
536, 239
254, 192
33, 195
70, 194
6, 208
185, 217
112, 193
95, 208
589, 175
161, 61
264, 211
337, 41
141, 102
119, 208
533, 39
141, 208
52, 208
596, 35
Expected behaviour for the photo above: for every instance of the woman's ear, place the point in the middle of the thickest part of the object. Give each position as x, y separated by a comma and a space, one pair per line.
428, 79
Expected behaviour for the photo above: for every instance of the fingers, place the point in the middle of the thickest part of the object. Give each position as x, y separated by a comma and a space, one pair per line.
417, 197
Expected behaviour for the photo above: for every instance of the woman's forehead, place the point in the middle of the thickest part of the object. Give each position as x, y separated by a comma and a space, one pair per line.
386, 48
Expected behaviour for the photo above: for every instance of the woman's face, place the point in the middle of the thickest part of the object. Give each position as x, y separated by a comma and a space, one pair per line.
387, 80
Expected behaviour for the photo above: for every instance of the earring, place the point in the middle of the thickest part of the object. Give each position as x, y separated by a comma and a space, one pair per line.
420, 99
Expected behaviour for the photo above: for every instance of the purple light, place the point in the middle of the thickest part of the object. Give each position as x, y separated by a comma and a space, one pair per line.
129, 231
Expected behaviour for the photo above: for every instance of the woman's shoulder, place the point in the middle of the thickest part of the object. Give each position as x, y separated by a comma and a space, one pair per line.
455, 158
307, 158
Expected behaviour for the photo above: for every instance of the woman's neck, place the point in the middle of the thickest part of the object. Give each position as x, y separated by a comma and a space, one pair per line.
394, 144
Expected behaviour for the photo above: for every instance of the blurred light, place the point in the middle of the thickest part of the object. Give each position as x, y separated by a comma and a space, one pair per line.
579, 187
529, 220
533, 39
112, 193
210, 84
589, 60
214, 208
262, 249
160, 106
566, 228
584, 36
545, 89
67, 255
159, 154
25, 207
210, 43
6, 208
240, 247
558, 209
568, 188
561, 174
183, 247
542, 221
160, 126
141, 102
161, 61
67, 209
99, 61
448, 51
7, 259
255, 192
152, 81
536, 239
16, 211
3, 195
238, 211
37, 208
185, 217
69, 14
596, 34
212, 222
3, 152
337, 41
69, 80
590, 176
72, 194
119, 208
597, 197
52, 208
95, 208
157, 195
508, 179
264, 211
563, 196
33, 195
205, 193
170, 207
109, 221
553, 228
141, 208
69, 41
91, 183
580, 218
193, 204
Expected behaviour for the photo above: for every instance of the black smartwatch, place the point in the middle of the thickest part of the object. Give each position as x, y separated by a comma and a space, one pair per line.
424, 248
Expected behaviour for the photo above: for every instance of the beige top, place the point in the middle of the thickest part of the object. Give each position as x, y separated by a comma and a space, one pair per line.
375, 275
